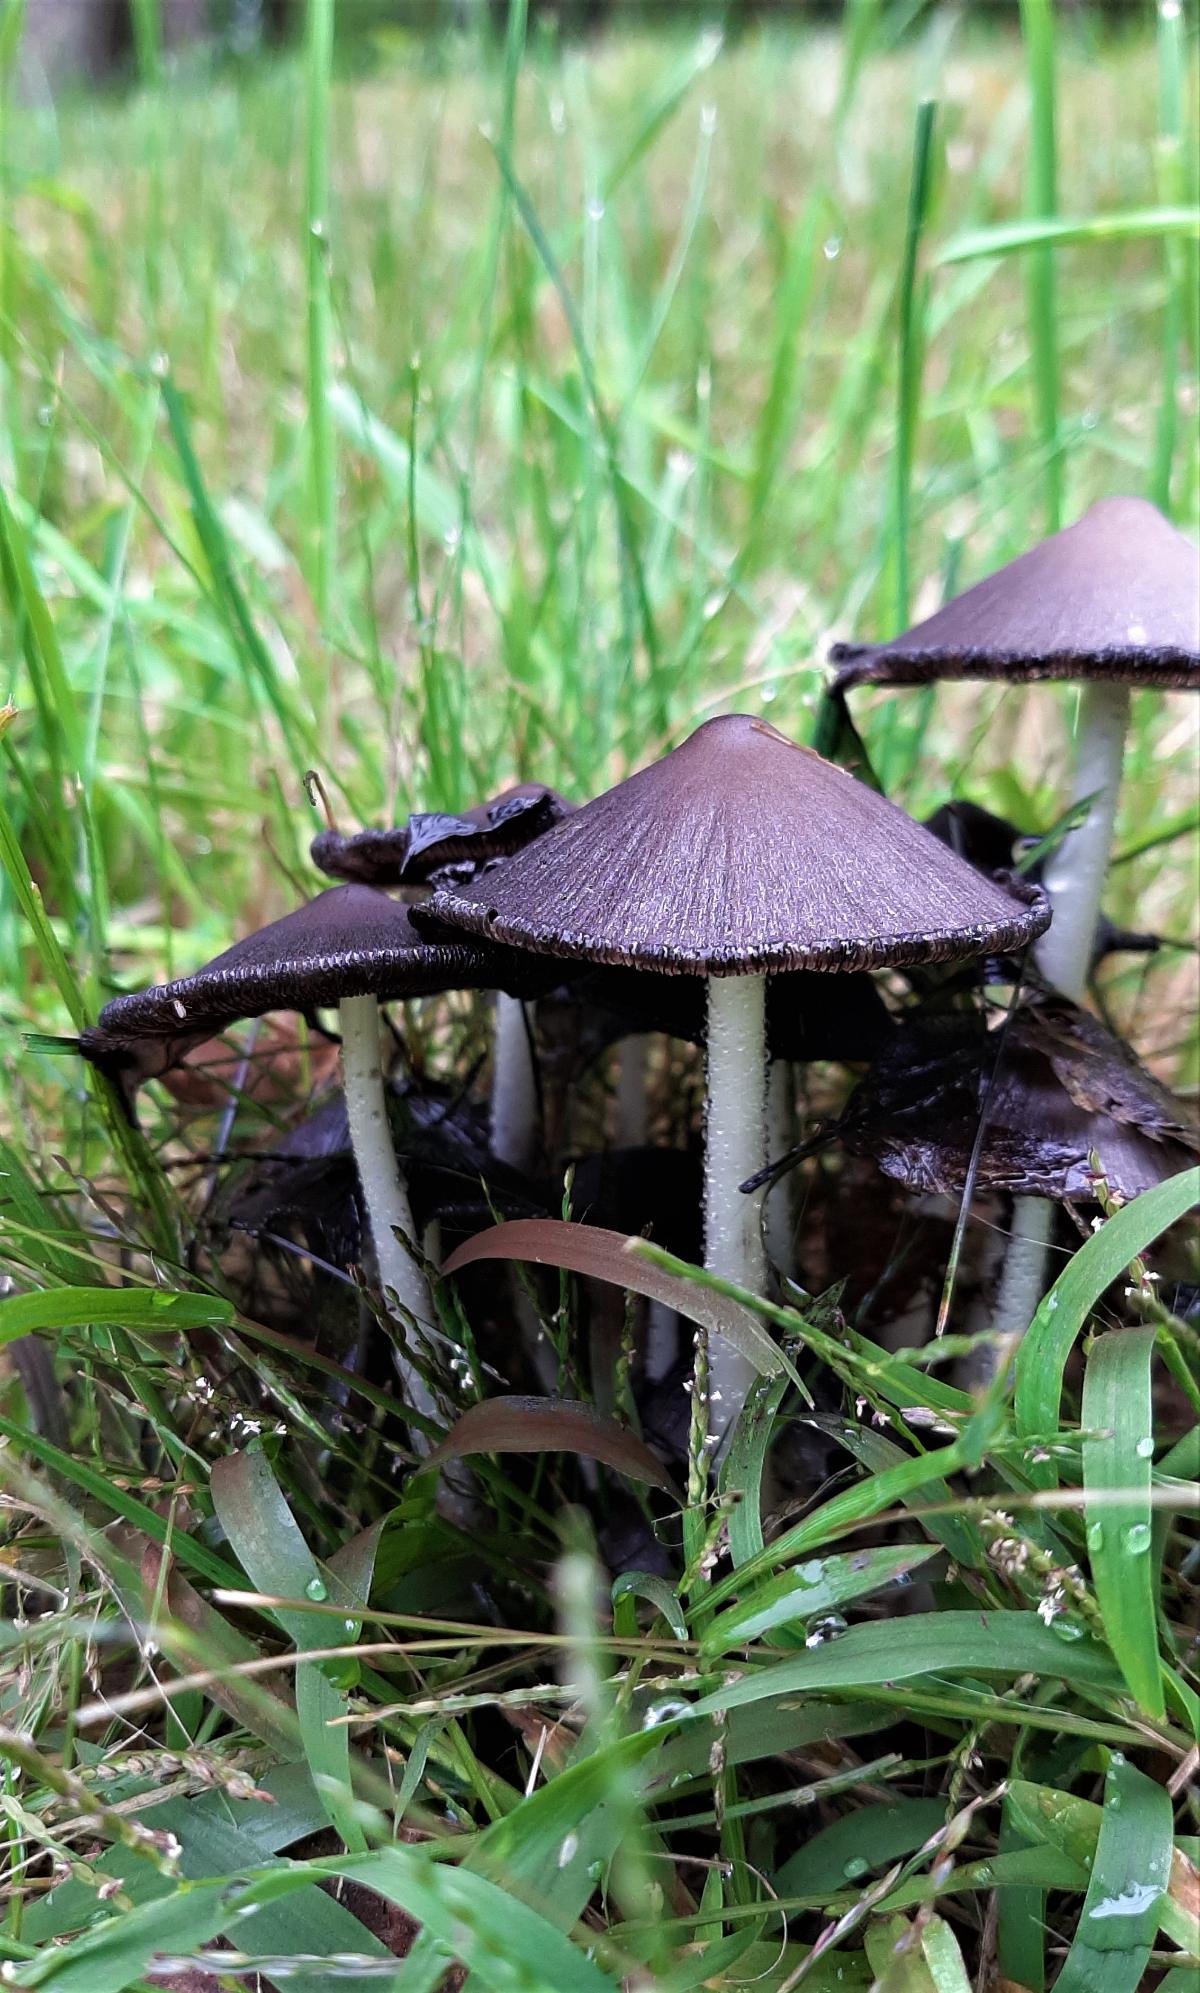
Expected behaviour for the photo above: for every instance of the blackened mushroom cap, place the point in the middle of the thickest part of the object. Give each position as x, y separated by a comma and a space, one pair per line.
1116, 596
741, 852
349, 941
918, 1110
414, 852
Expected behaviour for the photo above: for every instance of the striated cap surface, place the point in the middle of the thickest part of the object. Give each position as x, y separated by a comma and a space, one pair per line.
1116, 597
740, 852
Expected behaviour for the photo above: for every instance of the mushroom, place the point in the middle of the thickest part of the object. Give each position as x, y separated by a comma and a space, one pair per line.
351, 946
1064, 1090
1112, 602
432, 846
1064, 1093
739, 856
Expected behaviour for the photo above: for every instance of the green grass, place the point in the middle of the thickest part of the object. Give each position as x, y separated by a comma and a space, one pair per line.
434, 412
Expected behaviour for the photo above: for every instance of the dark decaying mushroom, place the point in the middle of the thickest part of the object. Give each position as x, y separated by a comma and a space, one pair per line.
917, 1112
354, 947
992, 844
738, 856
412, 853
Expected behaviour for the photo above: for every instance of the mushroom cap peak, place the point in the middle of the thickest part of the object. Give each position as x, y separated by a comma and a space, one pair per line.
741, 851
1114, 597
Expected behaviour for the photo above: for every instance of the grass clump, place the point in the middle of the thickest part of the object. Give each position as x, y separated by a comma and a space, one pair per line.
443, 412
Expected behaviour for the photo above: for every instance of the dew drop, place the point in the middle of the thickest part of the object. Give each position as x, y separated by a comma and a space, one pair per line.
830, 1627
1067, 1629
832, 248
1145, 1448
316, 1590
1138, 1538
1095, 1536
856, 1868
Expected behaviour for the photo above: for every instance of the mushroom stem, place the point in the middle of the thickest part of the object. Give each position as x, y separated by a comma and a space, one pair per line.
384, 1193
514, 1117
1074, 875
633, 1058
781, 1136
1023, 1282
735, 1145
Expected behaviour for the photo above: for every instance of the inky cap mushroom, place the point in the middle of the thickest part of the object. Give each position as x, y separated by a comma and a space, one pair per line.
741, 852
1114, 597
738, 856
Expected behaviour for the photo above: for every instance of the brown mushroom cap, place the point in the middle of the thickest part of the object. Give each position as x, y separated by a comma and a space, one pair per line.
741, 852
413, 852
349, 941
1116, 597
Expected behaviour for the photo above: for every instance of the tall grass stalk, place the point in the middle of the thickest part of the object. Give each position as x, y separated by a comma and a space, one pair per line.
1037, 20
318, 260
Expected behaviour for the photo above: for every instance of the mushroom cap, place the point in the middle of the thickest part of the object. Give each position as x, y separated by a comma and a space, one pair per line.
917, 1112
349, 941
741, 852
1116, 597
413, 852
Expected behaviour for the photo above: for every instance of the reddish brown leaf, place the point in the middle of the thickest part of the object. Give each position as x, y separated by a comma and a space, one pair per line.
603, 1255
551, 1425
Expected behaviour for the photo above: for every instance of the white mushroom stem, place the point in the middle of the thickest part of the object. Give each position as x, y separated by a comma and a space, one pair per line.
514, 1119
633, 1059
384, 1193
1074, 875
1024, 1280
1074, 878
781, 1136
735, 1147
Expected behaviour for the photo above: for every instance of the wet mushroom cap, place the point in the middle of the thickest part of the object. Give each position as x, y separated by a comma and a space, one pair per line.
1116, 597
741, 852
413, 852
349, 941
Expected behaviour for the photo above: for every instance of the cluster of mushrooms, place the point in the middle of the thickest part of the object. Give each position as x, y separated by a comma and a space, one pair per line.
741, 894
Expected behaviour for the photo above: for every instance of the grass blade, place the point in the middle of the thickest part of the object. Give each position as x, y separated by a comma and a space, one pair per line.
1130, 1874
1037, 24
1118, 1451
1102, 1259
263, 1533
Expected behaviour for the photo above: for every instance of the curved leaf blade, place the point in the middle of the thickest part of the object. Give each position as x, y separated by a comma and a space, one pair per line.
519, 1424
611, 1256
1118, 1449
1101, 1259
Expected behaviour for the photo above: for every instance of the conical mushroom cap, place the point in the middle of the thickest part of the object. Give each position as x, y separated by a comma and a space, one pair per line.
349, 941
742, 852
1116, 597
413, 852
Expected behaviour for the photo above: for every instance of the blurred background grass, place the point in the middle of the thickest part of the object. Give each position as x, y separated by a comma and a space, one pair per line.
433, 408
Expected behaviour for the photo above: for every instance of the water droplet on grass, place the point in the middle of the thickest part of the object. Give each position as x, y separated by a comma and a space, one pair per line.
316, 1589
1138, 1538
1067, 1629
856, 1868
830, 1627
1095, 1536
1145, 1448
